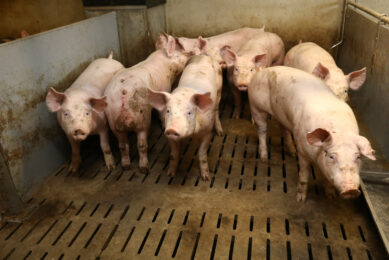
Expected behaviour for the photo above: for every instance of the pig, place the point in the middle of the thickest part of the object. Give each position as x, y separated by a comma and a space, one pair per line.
191, 110
212, 45
310, 57
264, 50
127, 106
325, 129
80, 109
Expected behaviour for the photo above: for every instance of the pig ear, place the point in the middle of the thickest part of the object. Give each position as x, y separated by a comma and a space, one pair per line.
262, 28
161, 41
179, 46
228, 55
356, 79
202, 43
54, 100
202, 101
318, 137
321, 71
157, 99
98, 104
260, 60
24, 34
365, 148
170, 46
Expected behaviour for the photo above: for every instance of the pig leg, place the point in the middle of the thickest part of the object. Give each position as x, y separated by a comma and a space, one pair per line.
106, 148
218, 125
142, 149
260, 118
237, 101
203, 157
124, 147
329, 189
76, 156
174, 157
302, 186
288, 140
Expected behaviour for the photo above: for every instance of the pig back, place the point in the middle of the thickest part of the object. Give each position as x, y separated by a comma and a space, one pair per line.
97, 75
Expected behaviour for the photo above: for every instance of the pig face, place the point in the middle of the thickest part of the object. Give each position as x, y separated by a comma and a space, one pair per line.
77, 114
179, 111
244, 67
340, 159
339, 83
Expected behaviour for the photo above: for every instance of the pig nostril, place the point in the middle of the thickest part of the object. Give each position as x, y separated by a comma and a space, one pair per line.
171, 132
350, 194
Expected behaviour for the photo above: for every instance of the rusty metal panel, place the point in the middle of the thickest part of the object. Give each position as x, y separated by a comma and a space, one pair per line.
31, 142
307, 20
138, 27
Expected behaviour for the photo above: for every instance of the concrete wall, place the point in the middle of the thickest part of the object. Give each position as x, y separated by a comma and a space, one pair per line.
317, 21
381, 6
360, 49
31, 141
37, 16
138, 27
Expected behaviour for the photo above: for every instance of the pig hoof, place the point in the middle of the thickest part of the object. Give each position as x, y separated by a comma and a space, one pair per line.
264, 158
301, 197
236, 115
125, 166
144, 170
219, 132
110, 164
171, 173
205, 177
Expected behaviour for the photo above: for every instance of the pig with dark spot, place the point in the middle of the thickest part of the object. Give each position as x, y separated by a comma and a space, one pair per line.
191, 110
312, 58
127, 106
263, 50
80, 109
325, 129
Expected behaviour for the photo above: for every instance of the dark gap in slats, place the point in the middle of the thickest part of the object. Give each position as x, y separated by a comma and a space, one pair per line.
44, 256
29, 253
81, 208
61, 234
268, 171
93, 235
197, 181
171, 216
30, 230
14, 230
177, 245
230, 167
226, 185
350, 257
329, 252
324, 230
310, 255
108, 211
183, 180
132, 177
267, 249
235, 222
255, 170
219, 220
170, 180
185, 218
145, 177
251, 223
369, 255
283, 170
42, 201
124, 212
202, 219
306, 226
249, 248
242, 169
361, 234
190, 165
157, 180
140, 214
160, 243
108, 174
313, 173
144, 241
195, 246
268, 225
128, 239
316, 189
285, 187
288, 251
94, 210
231, 252
47, 231
9, 253
61, 256
343, 232
156, 215
214, 247
240, 184
77, 234
287, 226
106, 244
254, 184
212, 182
268, 185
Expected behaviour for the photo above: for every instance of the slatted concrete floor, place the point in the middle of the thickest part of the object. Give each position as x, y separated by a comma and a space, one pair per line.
247, 210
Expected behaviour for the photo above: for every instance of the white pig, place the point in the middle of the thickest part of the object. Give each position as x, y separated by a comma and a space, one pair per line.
264, 50
310, 57
191, 110
128, 109
80, 109
212, 45
325, 129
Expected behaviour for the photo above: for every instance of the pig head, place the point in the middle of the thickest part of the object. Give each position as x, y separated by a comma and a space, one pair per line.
339, 159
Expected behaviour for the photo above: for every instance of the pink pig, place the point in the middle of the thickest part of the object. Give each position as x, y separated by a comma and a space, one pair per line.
264, 50
212, 45
191, 110
80, 109
128, 108
325, 129
310, 57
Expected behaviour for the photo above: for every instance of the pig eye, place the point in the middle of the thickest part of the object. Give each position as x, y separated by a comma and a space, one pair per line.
168, 110
87, 113
141, 111
345, 91
236, 69
189, 113
358, 157
66, 114
251, 70
332, 157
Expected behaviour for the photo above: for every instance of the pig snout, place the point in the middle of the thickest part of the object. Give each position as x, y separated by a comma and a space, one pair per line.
79, 134
243, 87
351, 193
171, 133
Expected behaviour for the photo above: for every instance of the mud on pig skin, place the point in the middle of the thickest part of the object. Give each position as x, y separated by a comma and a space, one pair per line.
127, 106
263, 50
310, 57
191, 110
325, 129
80, 109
